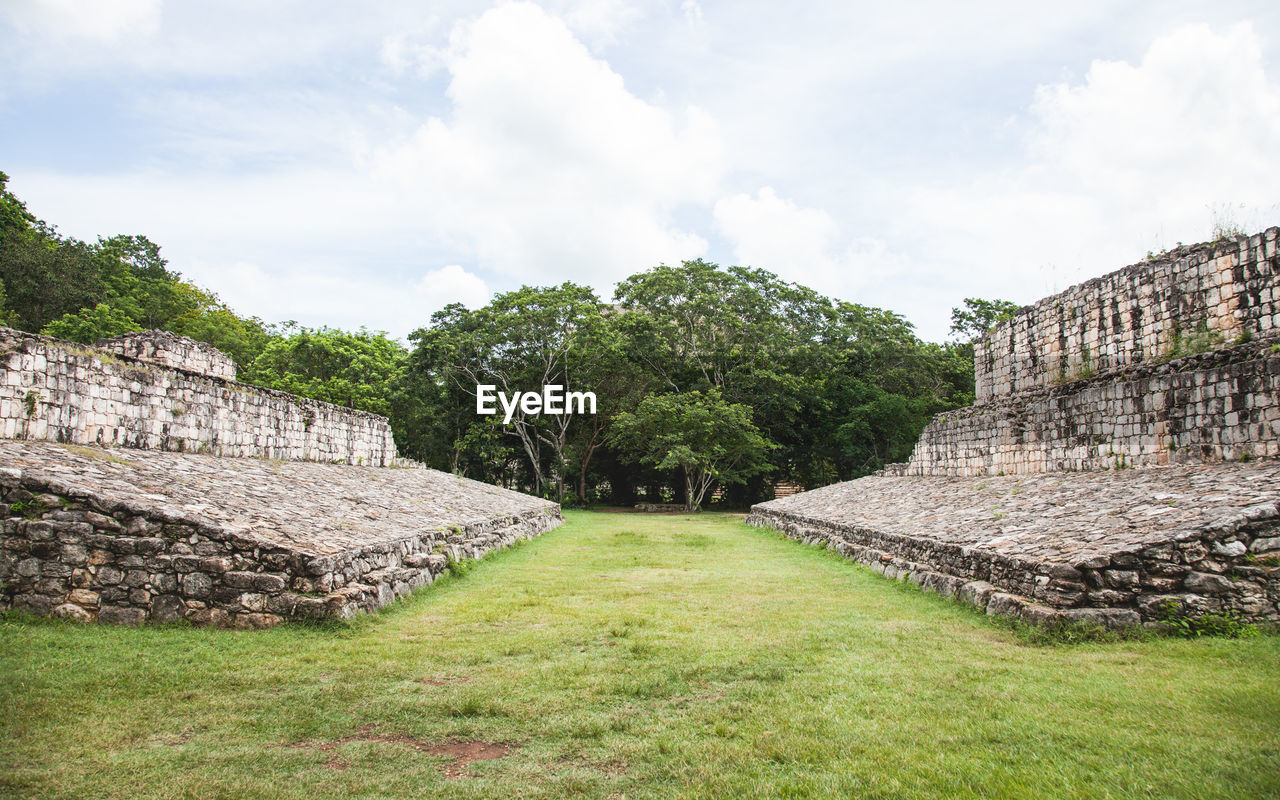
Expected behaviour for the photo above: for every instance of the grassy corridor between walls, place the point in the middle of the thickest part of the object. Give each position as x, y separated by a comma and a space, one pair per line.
630, 656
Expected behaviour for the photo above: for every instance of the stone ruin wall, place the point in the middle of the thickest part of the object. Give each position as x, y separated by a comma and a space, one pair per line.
117, 394
1215, 570
1095, 377
171, 350
87, 556
1218, 406
1217, 292
1171, 361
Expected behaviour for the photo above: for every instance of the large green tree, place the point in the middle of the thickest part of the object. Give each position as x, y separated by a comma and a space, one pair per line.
356, 369
520, 342
708, 439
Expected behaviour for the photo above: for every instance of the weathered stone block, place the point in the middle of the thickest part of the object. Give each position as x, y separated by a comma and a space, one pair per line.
1121, 578
195, 585
1003, 604
83, 597
1206, 583
72, 611
1034, 614
976, 594
121, 615
167, 608
1229, 549
1265, 545
1106, 617
265, 582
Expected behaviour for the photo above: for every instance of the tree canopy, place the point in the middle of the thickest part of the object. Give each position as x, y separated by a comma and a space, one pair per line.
709, 380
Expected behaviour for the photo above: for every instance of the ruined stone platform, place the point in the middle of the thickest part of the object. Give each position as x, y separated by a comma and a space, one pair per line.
1113, 547
124, 535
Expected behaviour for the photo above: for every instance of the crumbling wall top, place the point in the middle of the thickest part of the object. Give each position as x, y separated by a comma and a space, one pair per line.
174, 351
1186, 301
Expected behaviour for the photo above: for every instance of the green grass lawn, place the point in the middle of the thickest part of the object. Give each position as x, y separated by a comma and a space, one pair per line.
637, 656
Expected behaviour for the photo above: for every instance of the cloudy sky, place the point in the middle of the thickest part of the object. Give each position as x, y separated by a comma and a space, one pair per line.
364, 164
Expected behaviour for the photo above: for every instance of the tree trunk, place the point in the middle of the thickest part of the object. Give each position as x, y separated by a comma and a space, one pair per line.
689, 503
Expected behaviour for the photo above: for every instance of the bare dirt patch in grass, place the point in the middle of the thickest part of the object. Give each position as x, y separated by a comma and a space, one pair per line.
462, 754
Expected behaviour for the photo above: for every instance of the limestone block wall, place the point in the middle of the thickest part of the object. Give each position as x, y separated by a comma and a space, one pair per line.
60, 391
1218, 406
1212, 293
171, 350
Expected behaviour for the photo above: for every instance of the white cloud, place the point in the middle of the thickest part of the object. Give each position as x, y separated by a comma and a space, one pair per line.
341, 299
1133, 158
101, 20
807, 246
692, 11
319, 143
548, 168
774, 233
598, 22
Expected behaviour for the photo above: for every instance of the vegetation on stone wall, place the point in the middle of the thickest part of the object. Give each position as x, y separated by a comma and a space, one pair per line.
817, 390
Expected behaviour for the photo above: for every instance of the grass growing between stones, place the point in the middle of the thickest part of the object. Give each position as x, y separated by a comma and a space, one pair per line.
638, 657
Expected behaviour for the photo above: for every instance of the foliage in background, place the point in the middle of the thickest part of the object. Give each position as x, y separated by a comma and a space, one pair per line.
979, 316
706, 438
356, 369
830, 390
521, 341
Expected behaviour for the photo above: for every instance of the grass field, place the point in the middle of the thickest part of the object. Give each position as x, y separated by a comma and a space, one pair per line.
638, 657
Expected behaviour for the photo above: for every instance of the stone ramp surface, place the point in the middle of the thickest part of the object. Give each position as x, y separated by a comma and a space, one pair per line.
1114, 547
128, 535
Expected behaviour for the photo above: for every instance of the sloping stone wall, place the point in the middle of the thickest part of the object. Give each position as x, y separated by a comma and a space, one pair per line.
131, 536
1217, 291
1171, 366
1122, 547
56, 390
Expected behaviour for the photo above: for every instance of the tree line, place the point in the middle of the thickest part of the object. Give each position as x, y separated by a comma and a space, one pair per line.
710, 381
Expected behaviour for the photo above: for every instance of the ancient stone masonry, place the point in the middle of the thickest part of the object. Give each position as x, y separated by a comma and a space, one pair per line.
126, 536
1027, 504
316, 518
1111, 547
172, 350
1223, 405
162, 392
1197, 295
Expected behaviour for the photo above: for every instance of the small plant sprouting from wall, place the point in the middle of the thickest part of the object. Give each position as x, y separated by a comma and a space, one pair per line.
1201, 340
30, 402
28, 509
1191, 625
457, 567
1226, 224
1085, 371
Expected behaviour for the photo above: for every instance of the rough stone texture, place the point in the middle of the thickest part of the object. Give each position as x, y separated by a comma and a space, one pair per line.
1133, 315
60, 391
171, 350
1074, 392
1218, 406
127, 536
1108, 547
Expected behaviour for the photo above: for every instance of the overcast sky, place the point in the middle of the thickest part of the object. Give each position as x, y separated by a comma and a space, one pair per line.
365, 164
